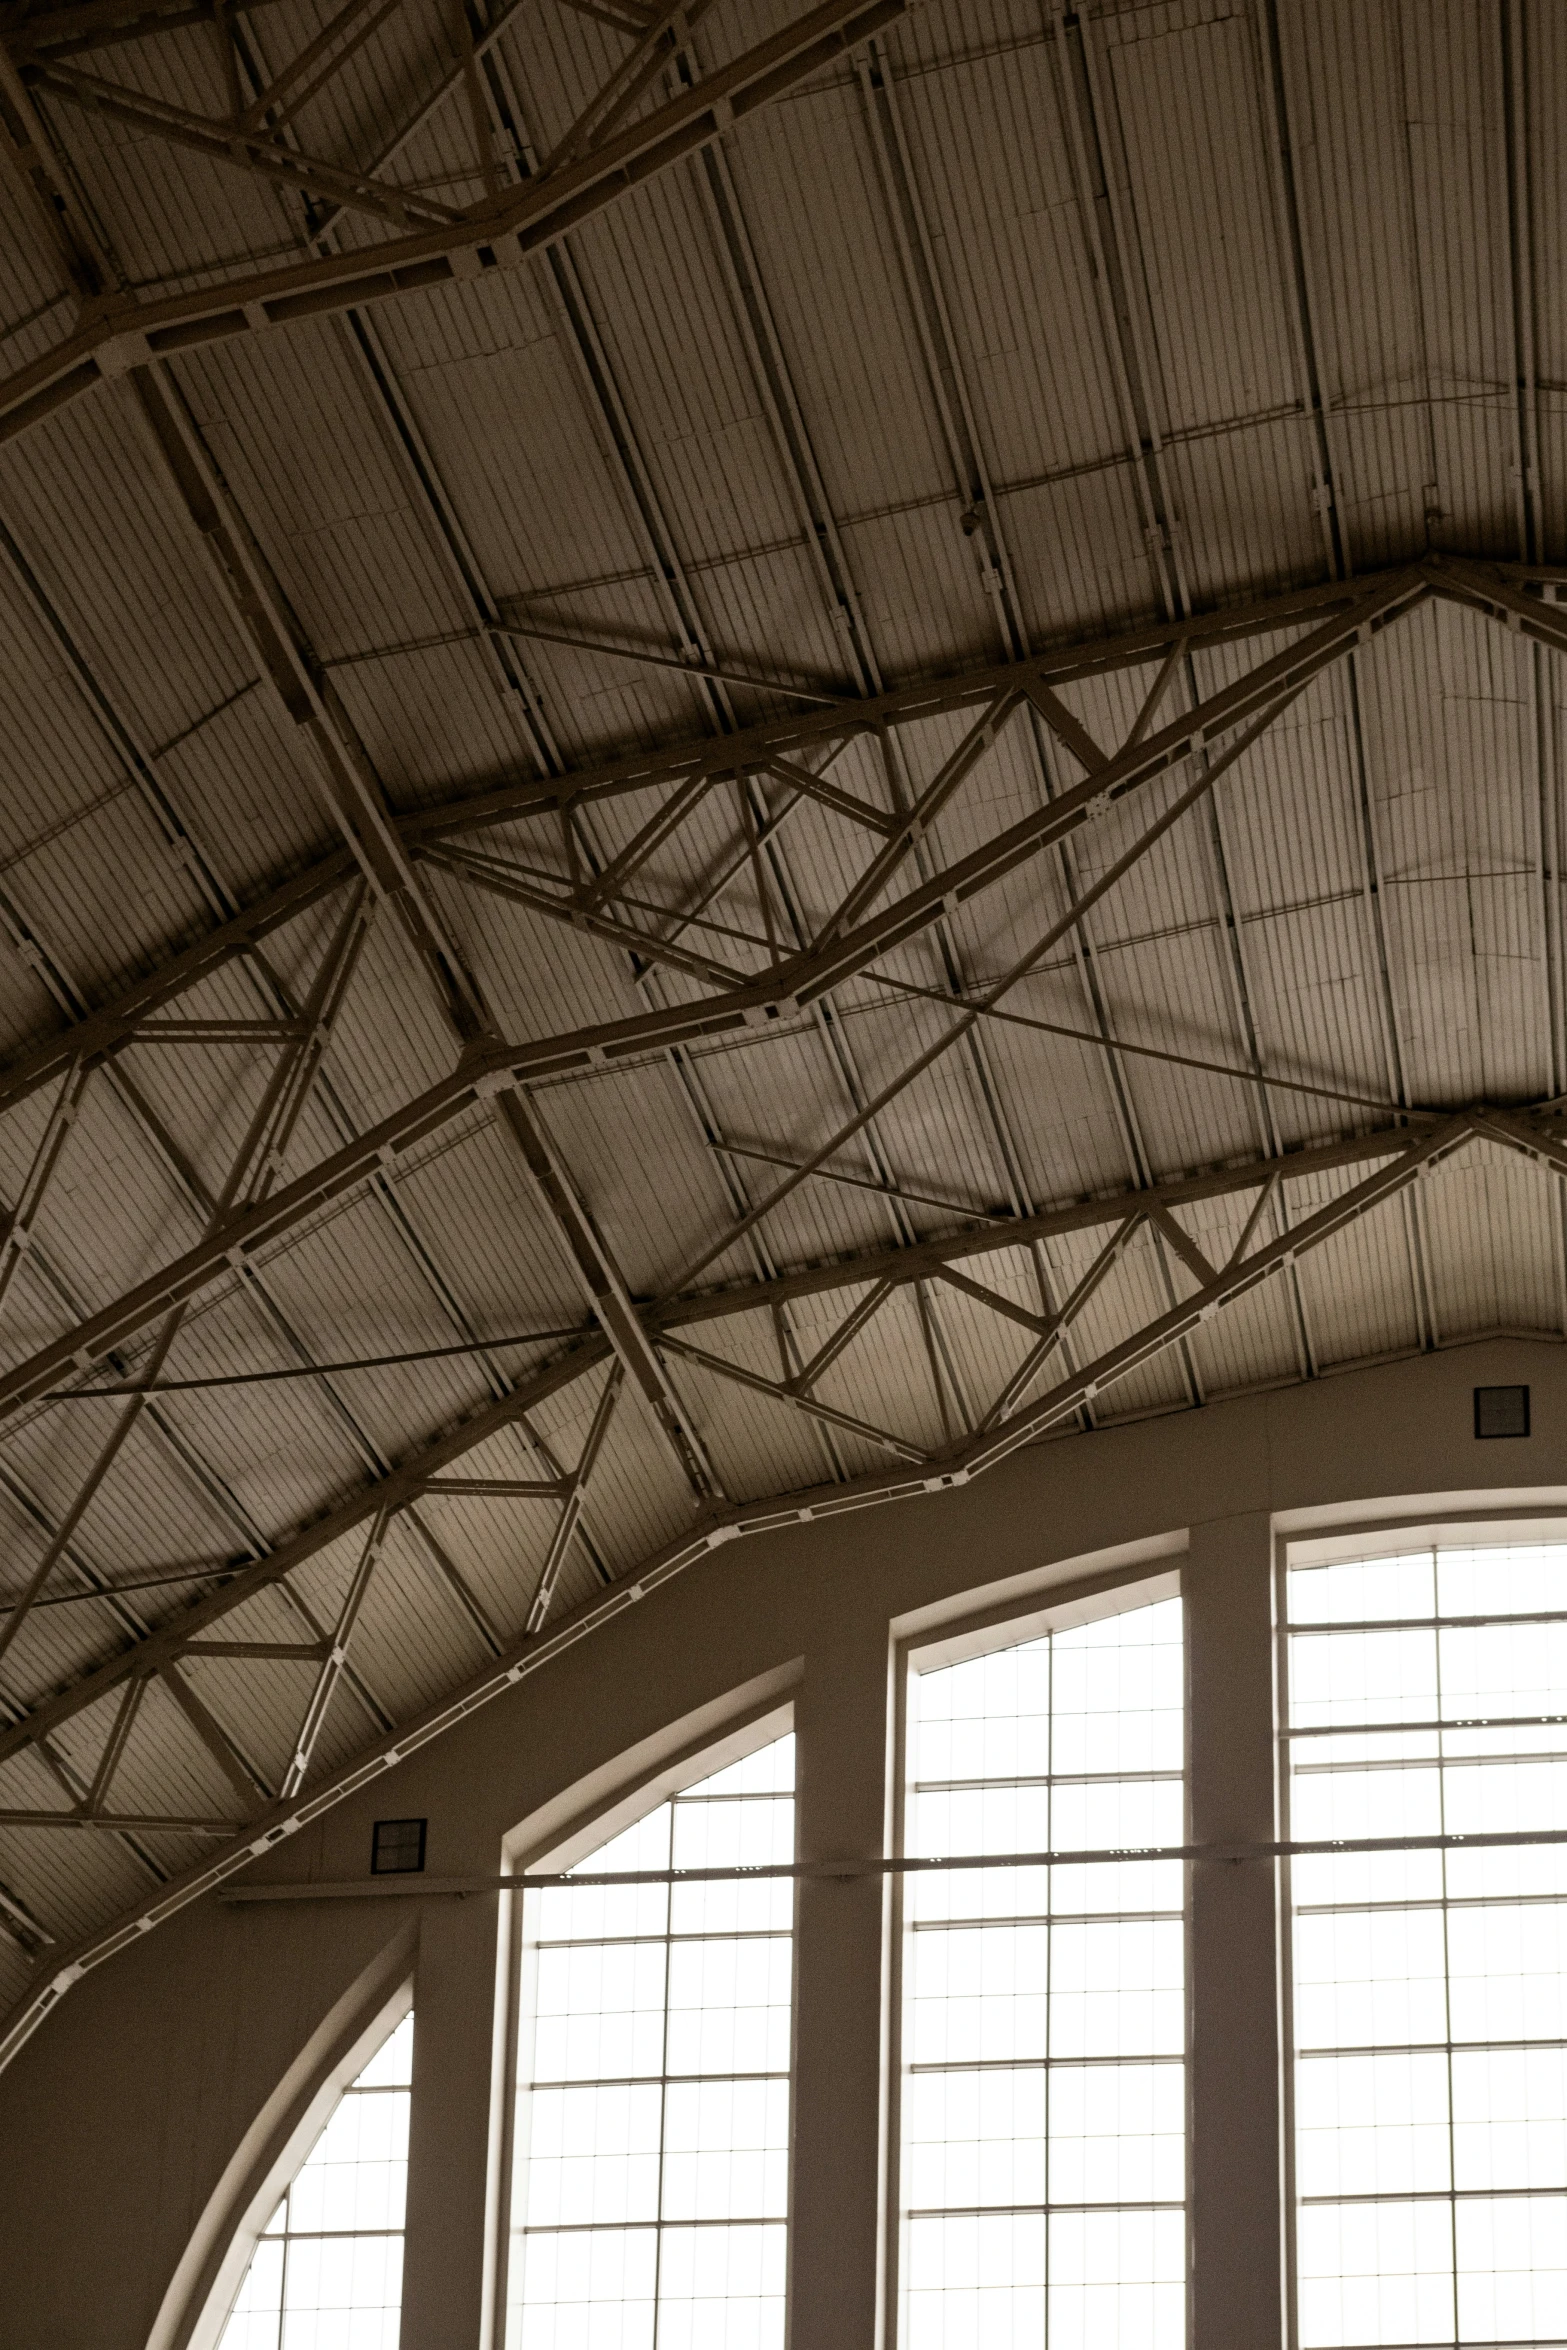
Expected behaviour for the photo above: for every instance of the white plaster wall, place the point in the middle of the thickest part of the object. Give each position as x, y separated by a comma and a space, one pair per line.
156, 2081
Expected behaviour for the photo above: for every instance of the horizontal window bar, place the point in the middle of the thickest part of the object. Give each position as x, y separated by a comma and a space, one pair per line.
1407, 1729
1429, 1623
1423, 1762
685, 1801
660, 1941
1332, 1909
638, 2227
1048, 1779
1436, 2195
1469, 2342
1030, 2210
1038, 2064
327, 2235
1060, 1917
1117, 1855
655, 2081
1435, 2048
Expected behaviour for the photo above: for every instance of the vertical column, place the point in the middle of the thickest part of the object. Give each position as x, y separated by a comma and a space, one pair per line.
1236, 2185
448, 2261
838, 2166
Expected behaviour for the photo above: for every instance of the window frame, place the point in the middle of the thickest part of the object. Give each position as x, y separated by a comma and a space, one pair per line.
1325, 1538
1151, 1575
207, 2284
643, 1789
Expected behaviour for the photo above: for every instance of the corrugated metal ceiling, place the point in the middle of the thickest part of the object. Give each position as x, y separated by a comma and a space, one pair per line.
1012, 328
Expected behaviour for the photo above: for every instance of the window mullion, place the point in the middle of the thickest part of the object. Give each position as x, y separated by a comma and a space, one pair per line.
1235, 2185
663, 2087
1447, 1956
1050, 1956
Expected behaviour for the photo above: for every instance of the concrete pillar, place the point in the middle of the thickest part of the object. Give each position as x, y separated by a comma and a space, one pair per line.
1235, 2189
448, 2258
838, 2184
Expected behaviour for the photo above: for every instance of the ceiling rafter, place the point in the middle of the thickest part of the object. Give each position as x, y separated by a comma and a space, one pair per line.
499, 233
573, 1496
246, 147
790, 1393
247, 1781
762, 845
332, 1664
388, 1493
354, 795
1405, 1157
17, 1233
92, 267
1533, 1133
848, 616
104, 1030
969, 1015
1058, 1328
253, 1172
497, 1069
1133, 351
78, 25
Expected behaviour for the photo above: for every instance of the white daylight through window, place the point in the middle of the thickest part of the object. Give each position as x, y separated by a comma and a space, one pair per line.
1042, 2089
1427, 1696
327, 2273
650, 2159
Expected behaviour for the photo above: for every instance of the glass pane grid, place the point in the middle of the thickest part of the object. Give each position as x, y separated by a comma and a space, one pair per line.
329, 2266
650, 2157
1429, 1988
1043, 2093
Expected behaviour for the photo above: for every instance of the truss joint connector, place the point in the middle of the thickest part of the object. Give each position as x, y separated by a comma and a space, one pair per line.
118, 354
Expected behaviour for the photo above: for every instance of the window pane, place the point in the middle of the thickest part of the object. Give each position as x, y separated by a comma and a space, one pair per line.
327, 2273
721, 2289
1429, 2104
651, 2146
1043, 2104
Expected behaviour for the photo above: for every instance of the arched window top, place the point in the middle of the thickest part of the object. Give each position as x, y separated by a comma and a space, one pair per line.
328, 2265
651, 2125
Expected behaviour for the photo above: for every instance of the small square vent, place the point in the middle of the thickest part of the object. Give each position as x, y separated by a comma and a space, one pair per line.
397, 1848
1501, 1411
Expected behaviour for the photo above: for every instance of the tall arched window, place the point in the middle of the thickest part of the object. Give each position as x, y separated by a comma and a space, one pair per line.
650, 2160
1044, 2032
328, 2267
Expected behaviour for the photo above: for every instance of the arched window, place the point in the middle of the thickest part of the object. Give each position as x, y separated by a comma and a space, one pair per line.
1043, 2081
650, 2161
328, 2266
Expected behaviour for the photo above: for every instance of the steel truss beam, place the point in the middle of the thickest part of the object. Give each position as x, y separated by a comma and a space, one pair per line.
1402, 1156
499, 233
1409, 1146
353, 793
251, 1176
775, 745
249, 147
494, 1068
1000, 1427
93, 24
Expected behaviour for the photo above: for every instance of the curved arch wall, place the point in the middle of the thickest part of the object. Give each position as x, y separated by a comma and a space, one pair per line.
142, 2118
